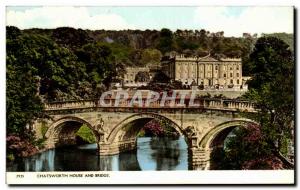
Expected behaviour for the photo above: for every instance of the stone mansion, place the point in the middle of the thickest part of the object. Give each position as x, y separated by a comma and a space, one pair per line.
206, 71
224, 73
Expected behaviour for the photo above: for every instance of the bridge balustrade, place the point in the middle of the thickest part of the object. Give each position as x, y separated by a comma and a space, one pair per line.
212, 103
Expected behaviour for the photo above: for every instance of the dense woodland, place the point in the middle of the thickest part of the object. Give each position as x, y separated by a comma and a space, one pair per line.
67, 63
75, 64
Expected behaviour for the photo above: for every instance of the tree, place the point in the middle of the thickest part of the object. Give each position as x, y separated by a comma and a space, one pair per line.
36, 67
136, 56
245, 149
272, 88
247, 45
186, 43
287, 38
30, 59
166, 43
151, 57
12, 32
264, 146
22, 102
57, 67
160, 77
96, 57
70, 37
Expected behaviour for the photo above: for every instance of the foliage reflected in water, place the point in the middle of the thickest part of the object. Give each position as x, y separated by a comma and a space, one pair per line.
168, 149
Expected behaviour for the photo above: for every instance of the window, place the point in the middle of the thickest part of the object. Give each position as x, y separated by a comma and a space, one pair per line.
216, 68
231, 81
224, 75
230, 68
237, 75
237, 67
237, 81
230, 74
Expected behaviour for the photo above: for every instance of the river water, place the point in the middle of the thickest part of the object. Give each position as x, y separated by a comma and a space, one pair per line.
151, 154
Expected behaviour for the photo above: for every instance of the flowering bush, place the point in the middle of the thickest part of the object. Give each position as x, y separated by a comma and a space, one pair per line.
153, 127
253, 133
159, 129
272, 163
19, 147
246, 150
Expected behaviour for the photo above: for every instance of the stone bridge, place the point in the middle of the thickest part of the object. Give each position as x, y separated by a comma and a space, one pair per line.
115, 128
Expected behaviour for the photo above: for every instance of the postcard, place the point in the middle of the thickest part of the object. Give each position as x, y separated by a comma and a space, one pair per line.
150, 95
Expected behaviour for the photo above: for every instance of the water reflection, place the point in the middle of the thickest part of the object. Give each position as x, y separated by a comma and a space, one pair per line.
151, 154
162, 154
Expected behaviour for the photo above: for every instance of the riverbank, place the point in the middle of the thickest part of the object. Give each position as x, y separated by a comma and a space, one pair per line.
18, 147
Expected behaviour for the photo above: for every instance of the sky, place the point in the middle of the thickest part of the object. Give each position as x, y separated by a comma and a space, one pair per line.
234, 21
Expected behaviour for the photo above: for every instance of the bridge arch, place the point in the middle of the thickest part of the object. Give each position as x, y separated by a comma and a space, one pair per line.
142, 118
218, 134
63, 130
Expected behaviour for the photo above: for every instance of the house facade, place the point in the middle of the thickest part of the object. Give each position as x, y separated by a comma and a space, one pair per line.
206, 71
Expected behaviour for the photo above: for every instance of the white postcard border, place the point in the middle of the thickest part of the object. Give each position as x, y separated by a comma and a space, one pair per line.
200, 177
270, 177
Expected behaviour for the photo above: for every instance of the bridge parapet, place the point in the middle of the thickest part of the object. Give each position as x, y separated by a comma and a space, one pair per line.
204, 103
70, 104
